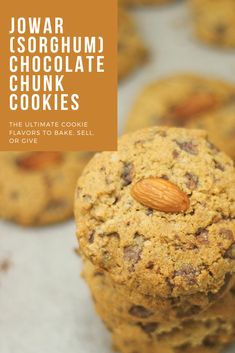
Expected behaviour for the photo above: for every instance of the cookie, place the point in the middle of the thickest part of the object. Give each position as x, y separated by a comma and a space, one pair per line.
214, 330
37, 188
118, 306
124, 345
178, 243
132, 52
143, 2
208, 332
193, 334
220, 126
184, 100
214, 21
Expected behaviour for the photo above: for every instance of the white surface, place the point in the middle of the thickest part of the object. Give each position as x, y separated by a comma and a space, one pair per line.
44, 305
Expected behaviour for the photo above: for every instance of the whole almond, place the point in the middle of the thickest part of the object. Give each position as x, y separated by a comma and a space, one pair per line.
36, 161
161, 195
194, 105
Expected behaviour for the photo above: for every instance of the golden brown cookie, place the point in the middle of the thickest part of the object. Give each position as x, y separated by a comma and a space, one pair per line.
211, 329
38, 187
118, 306
129, 345
220, 125
191, 101
131, 49
193, 334
177, 238
214, 21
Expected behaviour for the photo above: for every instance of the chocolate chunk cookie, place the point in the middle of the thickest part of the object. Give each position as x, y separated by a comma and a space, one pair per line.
136, 328
118, 305
215, 21
38, 187
220, 125
215, 344
131, 49
190, 101
158, 215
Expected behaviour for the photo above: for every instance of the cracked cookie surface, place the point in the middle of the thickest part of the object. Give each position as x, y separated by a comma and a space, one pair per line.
192, 101
157, 253
37, 188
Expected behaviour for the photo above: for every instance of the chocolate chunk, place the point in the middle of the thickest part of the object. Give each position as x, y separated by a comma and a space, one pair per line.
174, 301
188, 146
202, 235
192, 181
221, 29
210, 341
218, 165
175, 154
98, 274
149, 212
91, 236
226, 234
216, 219
230, 252
140, 311
132, 252
113, 234
188, 311
149, 327
56, 205
128, 173
150, 265
188, 273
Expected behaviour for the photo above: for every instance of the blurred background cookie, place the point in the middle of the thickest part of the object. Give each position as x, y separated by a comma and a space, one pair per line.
192, 101
132, 52
221, 126
37, 187
214, 21
143, 2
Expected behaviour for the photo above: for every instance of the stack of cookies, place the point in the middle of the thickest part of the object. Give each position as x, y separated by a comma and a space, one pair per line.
156, 226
